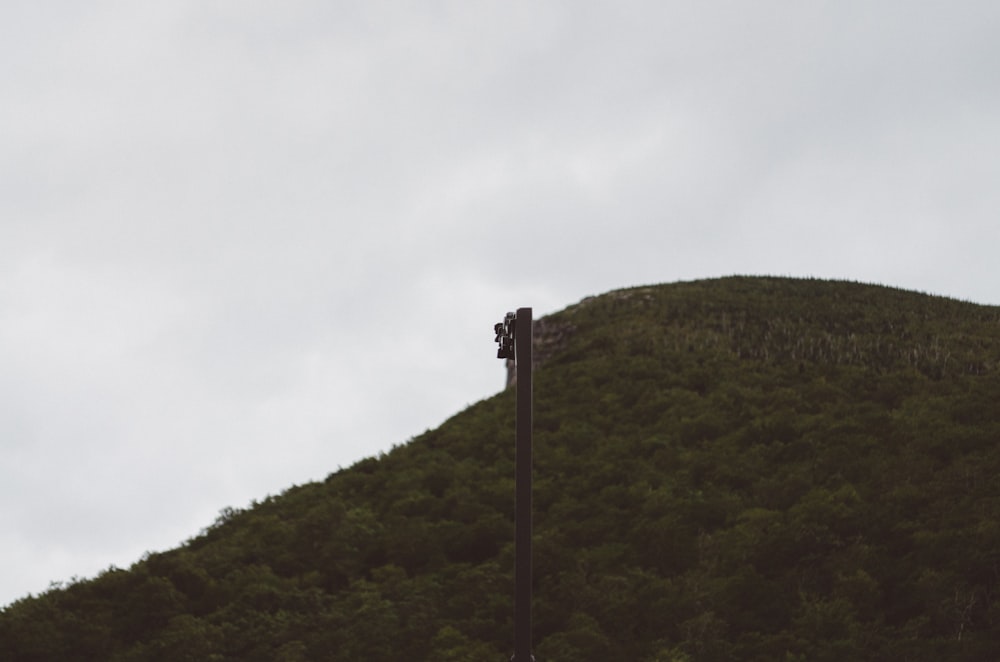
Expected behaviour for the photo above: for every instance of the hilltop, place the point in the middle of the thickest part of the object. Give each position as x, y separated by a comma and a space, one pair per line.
733, 469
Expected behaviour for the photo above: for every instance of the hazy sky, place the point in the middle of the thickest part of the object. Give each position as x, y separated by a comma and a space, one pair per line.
245, 243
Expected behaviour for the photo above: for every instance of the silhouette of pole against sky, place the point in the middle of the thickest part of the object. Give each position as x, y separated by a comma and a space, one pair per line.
514, 338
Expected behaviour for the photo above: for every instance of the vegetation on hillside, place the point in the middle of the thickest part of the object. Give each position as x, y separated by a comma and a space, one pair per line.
738, 469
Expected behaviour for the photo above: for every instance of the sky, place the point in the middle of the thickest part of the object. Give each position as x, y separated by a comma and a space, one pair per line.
244, 244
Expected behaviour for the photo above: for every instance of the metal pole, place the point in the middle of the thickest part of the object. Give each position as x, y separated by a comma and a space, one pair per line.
522, 506
514, 337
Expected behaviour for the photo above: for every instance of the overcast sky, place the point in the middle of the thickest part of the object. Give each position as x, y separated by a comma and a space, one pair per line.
243, 244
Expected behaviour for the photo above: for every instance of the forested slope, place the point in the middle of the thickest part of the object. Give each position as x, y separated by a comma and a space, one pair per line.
736, 469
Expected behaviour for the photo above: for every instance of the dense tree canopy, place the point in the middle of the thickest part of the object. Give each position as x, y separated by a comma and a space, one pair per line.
738, 469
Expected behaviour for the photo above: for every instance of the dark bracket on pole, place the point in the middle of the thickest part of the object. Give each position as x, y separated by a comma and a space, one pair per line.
514, 336
505, 336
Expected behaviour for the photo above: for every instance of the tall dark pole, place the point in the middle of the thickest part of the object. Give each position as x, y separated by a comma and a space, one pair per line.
522, 506
518, 348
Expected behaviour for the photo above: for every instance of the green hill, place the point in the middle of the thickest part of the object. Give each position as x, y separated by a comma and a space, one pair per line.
737, 469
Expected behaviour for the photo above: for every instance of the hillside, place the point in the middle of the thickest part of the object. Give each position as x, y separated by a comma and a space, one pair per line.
736, 469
